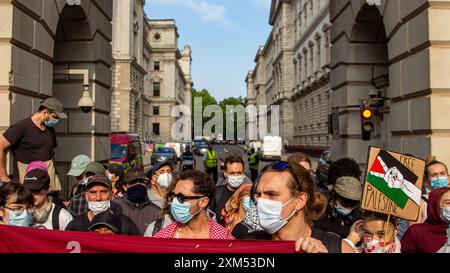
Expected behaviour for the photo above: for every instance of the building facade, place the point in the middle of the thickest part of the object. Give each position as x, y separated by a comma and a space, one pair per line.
40, 41
345, 51
170, 80
402, 49
292, 71
131, 55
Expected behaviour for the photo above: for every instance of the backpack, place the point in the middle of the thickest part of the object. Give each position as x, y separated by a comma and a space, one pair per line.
55, 217
158, 224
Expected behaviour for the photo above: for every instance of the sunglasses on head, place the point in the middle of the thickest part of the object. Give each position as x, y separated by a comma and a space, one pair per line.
281, 166
182, 198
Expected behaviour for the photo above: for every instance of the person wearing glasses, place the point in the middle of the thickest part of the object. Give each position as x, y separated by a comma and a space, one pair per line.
188, 204
16, 205
288, 205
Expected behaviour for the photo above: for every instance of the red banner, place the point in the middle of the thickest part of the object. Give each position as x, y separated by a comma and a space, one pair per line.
33, 240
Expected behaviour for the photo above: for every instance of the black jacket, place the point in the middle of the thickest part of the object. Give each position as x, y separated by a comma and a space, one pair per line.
334, 222
141, 214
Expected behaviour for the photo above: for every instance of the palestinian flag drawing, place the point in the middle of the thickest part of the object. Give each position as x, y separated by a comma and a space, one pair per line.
394, 180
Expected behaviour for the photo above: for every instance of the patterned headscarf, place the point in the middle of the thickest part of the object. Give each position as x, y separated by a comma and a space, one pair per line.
233, 213
251, 218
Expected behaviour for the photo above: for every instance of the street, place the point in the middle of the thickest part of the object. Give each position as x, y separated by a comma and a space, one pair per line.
226, 150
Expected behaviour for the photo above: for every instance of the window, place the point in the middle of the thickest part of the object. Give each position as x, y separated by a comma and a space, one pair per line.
156, 110
156, 66
156, 89
157, 36
156, 129
327, 47
319, 48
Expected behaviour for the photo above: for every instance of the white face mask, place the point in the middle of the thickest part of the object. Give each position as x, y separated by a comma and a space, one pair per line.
165, 180
99, 207
235, 181
445, 215
269, 213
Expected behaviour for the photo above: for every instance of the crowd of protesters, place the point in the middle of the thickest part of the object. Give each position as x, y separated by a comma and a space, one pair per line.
283, 202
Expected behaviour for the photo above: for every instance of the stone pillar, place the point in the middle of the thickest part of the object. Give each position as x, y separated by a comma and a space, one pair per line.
418, 57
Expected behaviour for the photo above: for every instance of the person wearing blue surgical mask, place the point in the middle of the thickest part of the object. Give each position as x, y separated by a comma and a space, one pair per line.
436, 177
287, 206
188, 201
16, 205
343, 207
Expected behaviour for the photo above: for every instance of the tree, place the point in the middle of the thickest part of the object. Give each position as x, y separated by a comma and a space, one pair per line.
232, 101
207, 99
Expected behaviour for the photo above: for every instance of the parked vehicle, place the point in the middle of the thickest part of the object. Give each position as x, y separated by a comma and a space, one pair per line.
322, 167
176, 147
126, 150
164, 154
200, 147
272, 148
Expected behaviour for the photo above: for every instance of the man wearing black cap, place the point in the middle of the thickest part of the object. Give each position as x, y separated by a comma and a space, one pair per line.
135, 203
106, 223
33, 139
46, 214
98, 195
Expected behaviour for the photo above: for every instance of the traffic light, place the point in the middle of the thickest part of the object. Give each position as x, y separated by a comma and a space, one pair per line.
367, 125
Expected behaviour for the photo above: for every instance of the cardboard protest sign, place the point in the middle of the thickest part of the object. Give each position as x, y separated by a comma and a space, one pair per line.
393, 184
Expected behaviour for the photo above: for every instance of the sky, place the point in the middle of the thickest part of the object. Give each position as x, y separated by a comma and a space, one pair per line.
224, 36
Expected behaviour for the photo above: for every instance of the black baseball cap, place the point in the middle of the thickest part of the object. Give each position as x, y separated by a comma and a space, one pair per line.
107, 219
36, 180
98, 179
134, 176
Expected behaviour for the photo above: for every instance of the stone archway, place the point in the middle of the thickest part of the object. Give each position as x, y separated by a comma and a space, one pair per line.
418, 54
82, 41
363, 67
29, 56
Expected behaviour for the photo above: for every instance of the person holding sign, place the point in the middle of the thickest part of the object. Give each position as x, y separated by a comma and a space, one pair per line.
375, 234
430, 236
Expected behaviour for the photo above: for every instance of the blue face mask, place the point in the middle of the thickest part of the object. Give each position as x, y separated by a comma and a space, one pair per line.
180, 211
52, 122
20, 220
247, 203
439, 182
342, 211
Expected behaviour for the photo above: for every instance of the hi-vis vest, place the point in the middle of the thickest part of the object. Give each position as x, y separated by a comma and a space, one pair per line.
253, 162
211, 159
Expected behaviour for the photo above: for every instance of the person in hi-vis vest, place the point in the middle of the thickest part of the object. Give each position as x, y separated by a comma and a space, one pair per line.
210, 163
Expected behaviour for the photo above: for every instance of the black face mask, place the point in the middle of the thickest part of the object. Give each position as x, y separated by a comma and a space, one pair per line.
137, 194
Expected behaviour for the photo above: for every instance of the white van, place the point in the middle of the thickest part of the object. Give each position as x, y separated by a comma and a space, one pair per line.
272, 148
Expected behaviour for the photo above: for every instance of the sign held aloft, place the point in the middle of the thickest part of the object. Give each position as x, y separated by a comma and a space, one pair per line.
393, 184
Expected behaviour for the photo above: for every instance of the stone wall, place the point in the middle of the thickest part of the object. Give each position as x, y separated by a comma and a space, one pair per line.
40, 36
411, 54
